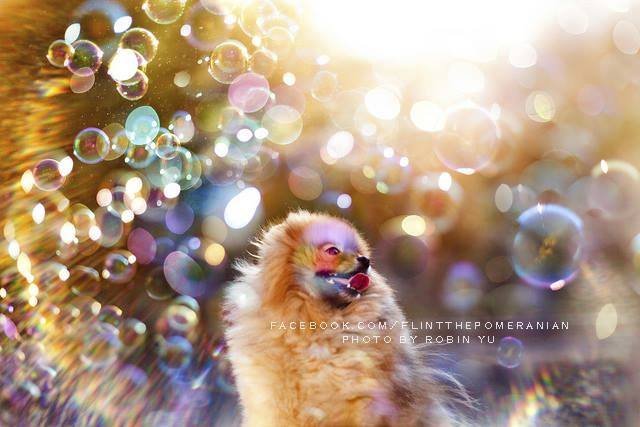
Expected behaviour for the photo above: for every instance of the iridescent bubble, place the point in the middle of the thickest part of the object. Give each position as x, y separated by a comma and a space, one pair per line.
228, 60
178, 319
180, 218
324, 86
47, 176
382, 170
142, 125
139, 156
174, 353
252, 13
262, 166
86, 58
135, 88
614, 188
118, 141
164, 11
84, 221
239, 141
305, 183
438, 197
548, 246
156, 285
101, 345
468, 140
219, 7
263, 62
59, 53
110, 314
142, 41
84, 281
110, 226
283, 124
82, 81
510, 352
91, 145
463, 286
206, 30
184, 274
124, 64
142, 244
132, 334
279, 41
182, 126
167, 145
223, 170
119, 266
249, 92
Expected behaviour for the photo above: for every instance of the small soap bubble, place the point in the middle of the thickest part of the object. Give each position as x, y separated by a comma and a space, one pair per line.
283, 123
167, 146
228, 60
142, 125
134, 88
548, 246
86, 58
164, 11
510, 352
59, 53
47, 176
263, 62
91, 145
119, 266
324, 86
142, 41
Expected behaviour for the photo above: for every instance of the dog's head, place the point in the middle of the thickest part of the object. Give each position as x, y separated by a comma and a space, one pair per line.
323, 256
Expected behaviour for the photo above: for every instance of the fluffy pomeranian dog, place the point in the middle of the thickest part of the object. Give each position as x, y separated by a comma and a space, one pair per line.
316, 268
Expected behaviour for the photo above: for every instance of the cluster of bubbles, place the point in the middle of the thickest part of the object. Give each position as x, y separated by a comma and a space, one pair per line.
190, 189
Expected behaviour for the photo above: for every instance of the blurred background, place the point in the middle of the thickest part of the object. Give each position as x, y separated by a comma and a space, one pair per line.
487, 150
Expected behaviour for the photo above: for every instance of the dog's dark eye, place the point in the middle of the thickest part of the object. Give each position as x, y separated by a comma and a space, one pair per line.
332, 250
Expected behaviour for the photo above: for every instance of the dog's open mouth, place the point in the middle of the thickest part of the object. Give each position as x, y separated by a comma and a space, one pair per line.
354, 283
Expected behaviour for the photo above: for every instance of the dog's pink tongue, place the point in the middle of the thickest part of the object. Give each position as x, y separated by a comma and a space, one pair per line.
359, 282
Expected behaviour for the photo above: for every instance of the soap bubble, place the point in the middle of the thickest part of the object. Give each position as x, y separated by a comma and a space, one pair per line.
110, 314
82, 81
206, 30
510, 352
174, 353
119, 266
324, 86
279, 41
132, 333
118, 141
91, 145
86, 58
140, 156
59, 53
184, 274
47, 176
124, 64
156, 285
228, 60
613, 189
253, 12
167, 145
163, 11
263, 61
283, 124
548, 246
468, 140
142, 125
84, 281
182, 126
142, 41
134, 88
249, 92
101, 345
219, 7
463, 286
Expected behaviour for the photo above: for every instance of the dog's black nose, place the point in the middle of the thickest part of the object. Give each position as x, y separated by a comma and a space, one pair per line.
363, 262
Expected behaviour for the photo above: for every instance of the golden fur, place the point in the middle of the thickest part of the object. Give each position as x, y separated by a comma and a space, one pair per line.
303, 377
